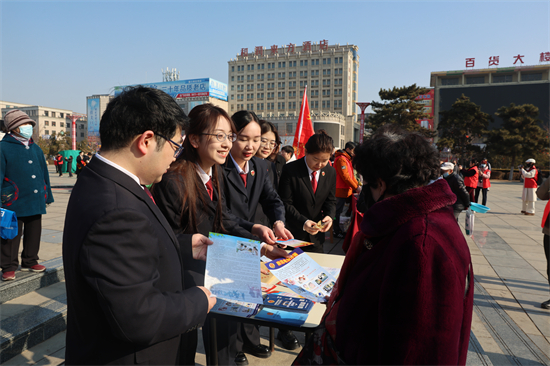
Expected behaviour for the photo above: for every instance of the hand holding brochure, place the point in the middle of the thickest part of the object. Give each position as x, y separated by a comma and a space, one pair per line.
303, 275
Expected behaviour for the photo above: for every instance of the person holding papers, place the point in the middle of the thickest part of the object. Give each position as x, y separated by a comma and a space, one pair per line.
247, 184
405, 292
190, 195
307, 188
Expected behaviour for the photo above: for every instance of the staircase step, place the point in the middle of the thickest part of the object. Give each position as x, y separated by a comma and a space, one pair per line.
31, 319
49, 352
27, 282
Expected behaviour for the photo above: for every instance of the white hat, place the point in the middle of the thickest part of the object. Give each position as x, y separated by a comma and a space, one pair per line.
447, 166
530, 161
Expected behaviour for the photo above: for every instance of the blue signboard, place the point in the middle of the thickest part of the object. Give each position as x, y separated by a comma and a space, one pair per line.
93, 116
188, 88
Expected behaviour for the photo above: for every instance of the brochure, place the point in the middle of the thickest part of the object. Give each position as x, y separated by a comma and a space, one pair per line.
294, 243
303, 275
240, 309
281, 316
291, 303
233, 269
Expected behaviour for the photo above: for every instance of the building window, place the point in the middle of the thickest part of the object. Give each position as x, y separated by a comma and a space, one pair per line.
475, 80
502, 78
81, 127
46, 123
61, 124
338, 60
46, 113
82, 134
292, 64
449, 81
531, 77
53, 123
341, 143
342, 130
232, 78
232, 68
47, 132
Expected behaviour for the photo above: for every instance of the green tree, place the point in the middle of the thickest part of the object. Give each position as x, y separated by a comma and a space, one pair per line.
460, 125
520, 135
399, 106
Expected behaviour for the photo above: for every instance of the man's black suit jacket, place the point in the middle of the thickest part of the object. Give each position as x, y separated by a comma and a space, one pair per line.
301, 204
126, 298
242, 202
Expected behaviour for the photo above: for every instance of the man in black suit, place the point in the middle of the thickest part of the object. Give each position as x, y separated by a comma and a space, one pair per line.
127, 303
304, 208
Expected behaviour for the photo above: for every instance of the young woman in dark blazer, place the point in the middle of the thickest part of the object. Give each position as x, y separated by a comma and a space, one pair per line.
190, 195
307, 188
247, 185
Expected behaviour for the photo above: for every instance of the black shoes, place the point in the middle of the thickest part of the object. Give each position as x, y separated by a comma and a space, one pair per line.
289, 340
259, 350
339, 235
241, 360
545, 305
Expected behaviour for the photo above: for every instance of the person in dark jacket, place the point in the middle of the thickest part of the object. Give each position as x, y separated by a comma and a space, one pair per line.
405, 292
543, 193
457, 186
69, 161
24, 189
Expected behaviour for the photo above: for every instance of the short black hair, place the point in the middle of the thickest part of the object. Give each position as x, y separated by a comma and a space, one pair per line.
403, 160
288, 149
350, 145
136, 110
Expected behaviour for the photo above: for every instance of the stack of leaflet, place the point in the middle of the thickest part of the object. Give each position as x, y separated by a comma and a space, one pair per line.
303, 275
285, 309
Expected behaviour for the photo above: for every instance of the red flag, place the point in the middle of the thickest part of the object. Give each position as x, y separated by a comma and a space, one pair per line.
304, 129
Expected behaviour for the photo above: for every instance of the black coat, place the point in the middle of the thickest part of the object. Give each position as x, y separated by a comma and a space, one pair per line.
242, 202
301, 204
169, 201
126, 298
462, 196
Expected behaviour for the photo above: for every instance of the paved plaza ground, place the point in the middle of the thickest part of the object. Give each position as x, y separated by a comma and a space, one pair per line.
510, 282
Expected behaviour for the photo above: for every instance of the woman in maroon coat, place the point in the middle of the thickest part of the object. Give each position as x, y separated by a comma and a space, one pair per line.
405, 293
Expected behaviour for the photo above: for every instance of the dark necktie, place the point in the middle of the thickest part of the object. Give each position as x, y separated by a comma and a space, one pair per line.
149, 194
314, 181
210, 188
243, 177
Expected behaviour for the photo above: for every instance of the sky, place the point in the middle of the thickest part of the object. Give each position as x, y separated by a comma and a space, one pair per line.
54, 54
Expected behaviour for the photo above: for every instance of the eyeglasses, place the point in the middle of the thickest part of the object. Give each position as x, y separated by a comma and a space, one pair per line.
267, 143
220, 136
179, 148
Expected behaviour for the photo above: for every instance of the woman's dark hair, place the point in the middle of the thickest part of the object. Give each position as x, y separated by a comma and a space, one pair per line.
3, 127
403, 160
202, 119
241, 119
288, 149
321, 142
136, 110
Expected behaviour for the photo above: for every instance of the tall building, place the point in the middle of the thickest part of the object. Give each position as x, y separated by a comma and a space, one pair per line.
95, 106
49, 121
493, 88
271, 81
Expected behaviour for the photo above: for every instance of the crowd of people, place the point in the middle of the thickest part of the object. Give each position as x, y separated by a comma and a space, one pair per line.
137, 223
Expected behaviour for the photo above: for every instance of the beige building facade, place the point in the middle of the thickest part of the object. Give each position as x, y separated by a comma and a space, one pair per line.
271, 82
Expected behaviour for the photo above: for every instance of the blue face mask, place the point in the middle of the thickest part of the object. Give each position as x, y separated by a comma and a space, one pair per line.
25, 131
445, 175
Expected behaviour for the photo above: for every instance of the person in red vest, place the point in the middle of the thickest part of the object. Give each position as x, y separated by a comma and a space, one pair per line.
59, 159
346, 184
470, 178
483, 182
530, 175
543, 193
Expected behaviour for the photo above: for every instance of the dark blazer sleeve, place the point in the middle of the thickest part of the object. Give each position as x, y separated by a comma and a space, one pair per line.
272, 204
127, 271
329, 206
286, 193
468, 173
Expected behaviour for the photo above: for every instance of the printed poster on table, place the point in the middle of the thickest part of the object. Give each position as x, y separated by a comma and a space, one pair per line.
303, 275
233, 269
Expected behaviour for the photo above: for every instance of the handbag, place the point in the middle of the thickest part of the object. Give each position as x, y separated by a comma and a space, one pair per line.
8, 224
469, 224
